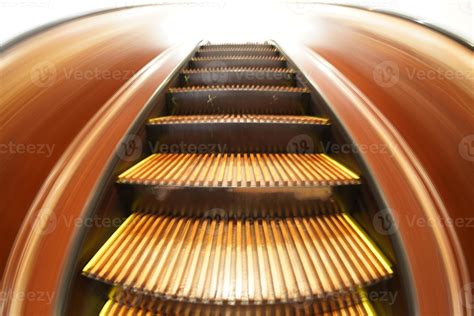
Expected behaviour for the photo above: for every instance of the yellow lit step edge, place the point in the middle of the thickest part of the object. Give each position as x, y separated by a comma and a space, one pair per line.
106, 308
341, 166
131, 169
112, 307
250, 170
109, 241
306, 237
376, 250
239, 118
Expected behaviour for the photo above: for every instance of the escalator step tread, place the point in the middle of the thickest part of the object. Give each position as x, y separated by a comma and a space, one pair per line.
238, 87
238, 118
238, 57
238, 69
239, 170
239, 261
268, 49
237, 44
355, 303
114, 308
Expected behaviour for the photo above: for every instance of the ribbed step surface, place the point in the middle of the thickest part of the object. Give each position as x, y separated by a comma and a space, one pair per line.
126, 303
239, 170
230, 45
233, 51
234, 99
238, 88
238, 69
239, 118
237, 60
238, 75
239, 261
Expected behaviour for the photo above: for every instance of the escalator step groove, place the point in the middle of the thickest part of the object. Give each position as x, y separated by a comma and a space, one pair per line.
123, 302
239, 118
238, 87
239, 261
239, 170
238, 69
240, 57
237, 60
235, 45
251, 51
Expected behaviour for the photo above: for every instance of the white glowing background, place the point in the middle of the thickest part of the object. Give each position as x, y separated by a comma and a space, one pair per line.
239, 17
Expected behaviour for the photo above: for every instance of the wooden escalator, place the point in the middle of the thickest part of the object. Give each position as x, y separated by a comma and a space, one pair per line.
237, 210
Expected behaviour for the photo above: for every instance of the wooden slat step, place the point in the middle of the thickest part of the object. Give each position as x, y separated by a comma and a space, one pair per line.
113, 308
237, 61
229, 51
238, 118
239, 261
237, 45
124, 302
239, 170
237, 88
238, 69
234, 99
238, 75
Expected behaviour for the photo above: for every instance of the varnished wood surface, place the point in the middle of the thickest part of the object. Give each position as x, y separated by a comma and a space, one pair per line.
238, 118
239, 170
51, 86
120, 111
239, 261
426, 175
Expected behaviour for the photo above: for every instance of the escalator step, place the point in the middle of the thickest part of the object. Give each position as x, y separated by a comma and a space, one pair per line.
254, 51
227, 99
239, 261
238, 75
124, 301
238, 69
238, 118
237, 45
239, 170
237, 88
237, 60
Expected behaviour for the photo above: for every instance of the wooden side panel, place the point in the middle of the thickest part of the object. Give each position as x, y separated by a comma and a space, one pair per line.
51, 86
